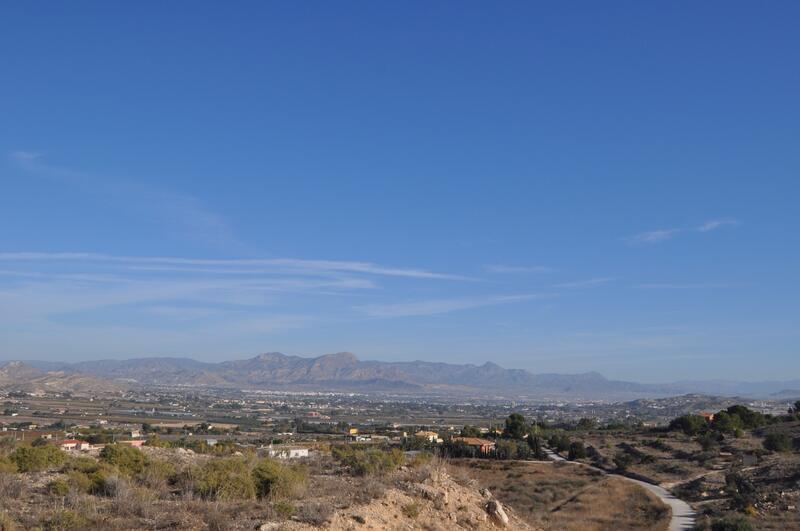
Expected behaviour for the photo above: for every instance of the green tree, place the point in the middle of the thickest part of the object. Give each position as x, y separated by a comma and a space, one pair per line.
535, 443
750, 419
778, 442
725, 422
559, 442
128, 459
35, 458
506, 449
516, 427
576, 451
470, 431
689, 424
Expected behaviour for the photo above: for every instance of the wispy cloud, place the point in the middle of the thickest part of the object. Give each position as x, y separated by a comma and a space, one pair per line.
184, 215
511, 269
715, 224
439, 306
662, 235
584, 283
668, 285
655, 236
267, 264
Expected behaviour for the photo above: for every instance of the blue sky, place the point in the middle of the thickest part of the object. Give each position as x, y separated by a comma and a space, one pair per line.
571, 187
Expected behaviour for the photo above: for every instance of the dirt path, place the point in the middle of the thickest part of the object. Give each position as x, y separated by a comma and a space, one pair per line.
682, 514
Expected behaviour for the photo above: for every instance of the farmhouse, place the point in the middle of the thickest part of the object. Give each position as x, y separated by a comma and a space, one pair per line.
430, 436
71, 445
483, 446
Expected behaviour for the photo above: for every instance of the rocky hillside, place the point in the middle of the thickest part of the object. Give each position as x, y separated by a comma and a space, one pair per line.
19, 376
437, 503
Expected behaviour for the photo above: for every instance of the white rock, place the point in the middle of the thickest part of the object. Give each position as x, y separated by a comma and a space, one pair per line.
497, 513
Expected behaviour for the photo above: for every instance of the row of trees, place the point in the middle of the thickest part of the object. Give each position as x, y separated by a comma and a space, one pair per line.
731, 421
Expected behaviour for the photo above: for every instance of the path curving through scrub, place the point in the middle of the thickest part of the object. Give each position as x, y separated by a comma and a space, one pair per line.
683, 516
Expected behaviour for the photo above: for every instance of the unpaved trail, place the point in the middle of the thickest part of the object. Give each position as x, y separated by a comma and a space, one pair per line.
683, 515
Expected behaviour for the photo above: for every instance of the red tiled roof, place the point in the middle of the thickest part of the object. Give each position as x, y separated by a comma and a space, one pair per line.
473, 441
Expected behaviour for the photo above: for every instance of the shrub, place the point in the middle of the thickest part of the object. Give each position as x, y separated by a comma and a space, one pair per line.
732, 523
367, 462
778, 442
79, 481
224, 480
7, 466
275, 480
420, 459
157, 442
283, 509
82, 464
65, 519
7, 523
622, 461
58, 487
316, 514
128, 459
157, 474
35, 458
103, 480
131, 501
11, 486
411, 510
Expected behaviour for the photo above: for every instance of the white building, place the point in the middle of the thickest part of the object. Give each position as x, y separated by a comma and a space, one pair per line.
287, 452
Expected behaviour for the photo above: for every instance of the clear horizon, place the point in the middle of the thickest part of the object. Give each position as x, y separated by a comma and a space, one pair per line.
594, 188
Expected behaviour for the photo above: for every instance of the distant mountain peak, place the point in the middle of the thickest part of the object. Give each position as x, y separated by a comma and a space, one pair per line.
343, 357
269, 356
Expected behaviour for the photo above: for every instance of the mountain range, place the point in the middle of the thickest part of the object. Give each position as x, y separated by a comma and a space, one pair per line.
345, 372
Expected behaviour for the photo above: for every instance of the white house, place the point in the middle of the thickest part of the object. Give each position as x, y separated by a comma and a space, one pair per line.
287, 452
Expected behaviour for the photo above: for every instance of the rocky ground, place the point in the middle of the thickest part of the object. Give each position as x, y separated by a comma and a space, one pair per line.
436, 503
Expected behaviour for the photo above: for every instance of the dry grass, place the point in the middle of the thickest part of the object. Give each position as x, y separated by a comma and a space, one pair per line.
569, 498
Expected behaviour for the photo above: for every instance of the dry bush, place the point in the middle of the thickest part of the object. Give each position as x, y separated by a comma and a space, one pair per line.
369, 461
411, 510
276, 480
7, 445
129, 500
283, 509
157, 475
370, 489
7, 466
78, 481
65, 520
314, 513
215, 518
11, 487
421, 469
7, 523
